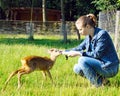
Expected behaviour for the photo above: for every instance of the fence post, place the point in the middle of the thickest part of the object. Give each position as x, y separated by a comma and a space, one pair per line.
102, 20
117, 30
30, 30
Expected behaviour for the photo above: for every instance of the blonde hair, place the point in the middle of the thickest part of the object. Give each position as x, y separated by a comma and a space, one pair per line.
89, 19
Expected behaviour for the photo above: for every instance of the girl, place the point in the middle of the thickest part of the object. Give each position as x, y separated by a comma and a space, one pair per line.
98, 58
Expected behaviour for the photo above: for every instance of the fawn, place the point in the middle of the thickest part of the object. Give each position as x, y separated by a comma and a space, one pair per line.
32, 63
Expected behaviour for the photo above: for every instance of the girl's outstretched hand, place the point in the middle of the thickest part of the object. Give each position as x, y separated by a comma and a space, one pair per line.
71, 53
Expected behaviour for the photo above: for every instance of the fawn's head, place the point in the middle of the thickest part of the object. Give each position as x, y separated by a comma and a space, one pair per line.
54, 52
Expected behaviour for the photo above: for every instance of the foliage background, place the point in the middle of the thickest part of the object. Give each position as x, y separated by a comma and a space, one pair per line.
73, 8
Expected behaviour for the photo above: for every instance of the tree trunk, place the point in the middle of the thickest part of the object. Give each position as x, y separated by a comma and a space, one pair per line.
44, 14
63, 23
78, 34
31, 25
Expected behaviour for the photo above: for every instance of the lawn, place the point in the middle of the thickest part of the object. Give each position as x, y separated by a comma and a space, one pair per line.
15, 47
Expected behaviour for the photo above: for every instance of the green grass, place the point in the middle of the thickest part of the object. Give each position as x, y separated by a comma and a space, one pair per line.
14, 47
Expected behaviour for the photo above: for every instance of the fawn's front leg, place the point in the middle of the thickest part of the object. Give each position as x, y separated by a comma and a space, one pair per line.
44, 74
50, 76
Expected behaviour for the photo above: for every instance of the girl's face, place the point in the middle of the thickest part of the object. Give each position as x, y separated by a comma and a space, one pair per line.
82, 30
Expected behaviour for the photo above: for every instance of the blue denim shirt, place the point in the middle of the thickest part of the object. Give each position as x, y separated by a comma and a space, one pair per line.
99, 47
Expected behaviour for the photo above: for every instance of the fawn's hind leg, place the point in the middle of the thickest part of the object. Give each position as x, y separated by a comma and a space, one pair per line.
10, 76
20, 73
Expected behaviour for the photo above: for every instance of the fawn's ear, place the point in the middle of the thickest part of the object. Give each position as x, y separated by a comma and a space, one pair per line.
50, 50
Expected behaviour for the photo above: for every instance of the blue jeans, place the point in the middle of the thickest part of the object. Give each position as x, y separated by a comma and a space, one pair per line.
91, 69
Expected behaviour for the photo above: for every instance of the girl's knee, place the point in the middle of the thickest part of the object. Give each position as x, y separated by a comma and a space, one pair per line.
82, 63
82, 60
76, 68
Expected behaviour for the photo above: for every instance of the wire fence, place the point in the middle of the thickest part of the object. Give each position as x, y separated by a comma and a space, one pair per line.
22, 27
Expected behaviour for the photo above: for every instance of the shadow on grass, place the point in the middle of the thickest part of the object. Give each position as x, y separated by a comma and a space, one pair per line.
40, 42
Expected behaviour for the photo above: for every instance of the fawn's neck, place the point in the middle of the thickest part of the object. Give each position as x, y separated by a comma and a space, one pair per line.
53, 58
